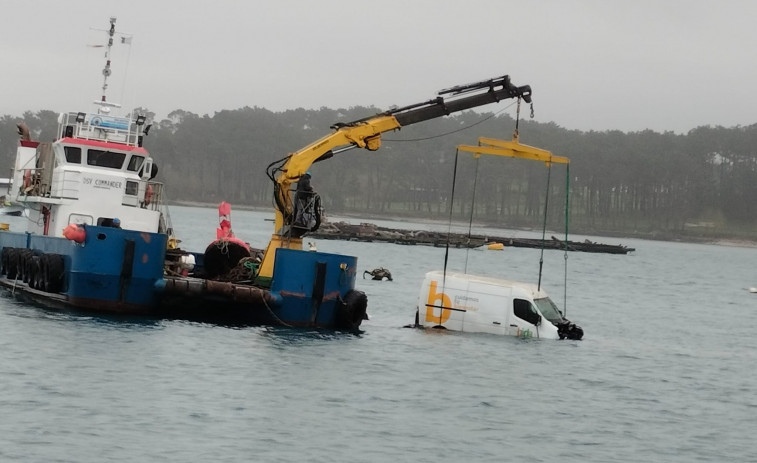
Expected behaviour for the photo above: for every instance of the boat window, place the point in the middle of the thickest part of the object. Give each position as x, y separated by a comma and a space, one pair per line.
73, 154
132, 188
80, 219
549, 310
108, 159
524, 310
109, 222
135, 163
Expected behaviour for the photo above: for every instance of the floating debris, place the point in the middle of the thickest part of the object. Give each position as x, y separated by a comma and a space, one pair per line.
378, 274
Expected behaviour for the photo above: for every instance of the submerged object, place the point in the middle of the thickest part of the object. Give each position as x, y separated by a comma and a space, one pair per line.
478, 304
378, 274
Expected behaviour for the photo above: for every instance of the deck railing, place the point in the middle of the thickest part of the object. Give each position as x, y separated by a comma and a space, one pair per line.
101, 128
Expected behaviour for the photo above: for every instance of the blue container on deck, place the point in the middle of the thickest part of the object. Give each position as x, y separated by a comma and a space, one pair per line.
310, 286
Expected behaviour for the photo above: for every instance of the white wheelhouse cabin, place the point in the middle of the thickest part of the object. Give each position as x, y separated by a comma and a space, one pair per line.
95, 172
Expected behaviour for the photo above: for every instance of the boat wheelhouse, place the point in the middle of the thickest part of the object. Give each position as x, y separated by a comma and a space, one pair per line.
97, 232
95, 172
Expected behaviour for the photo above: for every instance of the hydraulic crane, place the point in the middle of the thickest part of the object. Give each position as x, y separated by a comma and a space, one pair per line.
366, 133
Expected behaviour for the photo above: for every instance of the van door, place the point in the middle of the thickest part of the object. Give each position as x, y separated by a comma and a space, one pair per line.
526, 318
487, 310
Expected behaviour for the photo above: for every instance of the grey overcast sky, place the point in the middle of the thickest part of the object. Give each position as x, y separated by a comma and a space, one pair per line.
666, 65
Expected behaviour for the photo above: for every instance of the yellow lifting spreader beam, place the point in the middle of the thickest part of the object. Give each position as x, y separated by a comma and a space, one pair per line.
512, 149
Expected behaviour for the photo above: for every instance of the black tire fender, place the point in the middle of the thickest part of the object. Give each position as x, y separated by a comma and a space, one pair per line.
351, 311
42, 282
12, 269
24, 264
34, 264
4, 261
53, 274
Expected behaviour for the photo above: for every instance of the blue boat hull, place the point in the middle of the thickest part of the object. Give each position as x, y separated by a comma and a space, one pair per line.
122, 271
113, 270
309, 289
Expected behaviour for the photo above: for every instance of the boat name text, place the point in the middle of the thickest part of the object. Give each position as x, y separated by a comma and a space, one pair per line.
102, 183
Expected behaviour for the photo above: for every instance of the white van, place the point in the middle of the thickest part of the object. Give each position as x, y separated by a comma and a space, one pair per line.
477, 304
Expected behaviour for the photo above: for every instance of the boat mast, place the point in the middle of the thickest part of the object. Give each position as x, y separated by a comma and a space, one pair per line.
104, 106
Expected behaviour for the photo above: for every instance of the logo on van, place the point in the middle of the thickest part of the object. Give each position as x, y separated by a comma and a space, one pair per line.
443, 301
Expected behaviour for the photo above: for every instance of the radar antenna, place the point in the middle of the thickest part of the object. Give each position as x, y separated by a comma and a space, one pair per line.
104, 106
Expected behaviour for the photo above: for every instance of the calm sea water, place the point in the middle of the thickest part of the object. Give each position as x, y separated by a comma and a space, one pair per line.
666, 372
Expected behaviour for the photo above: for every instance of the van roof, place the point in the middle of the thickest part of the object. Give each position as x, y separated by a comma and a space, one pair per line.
479, 279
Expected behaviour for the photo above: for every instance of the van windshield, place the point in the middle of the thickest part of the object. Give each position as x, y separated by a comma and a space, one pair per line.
549, 310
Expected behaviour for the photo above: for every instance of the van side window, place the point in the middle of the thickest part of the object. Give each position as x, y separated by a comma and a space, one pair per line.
524, 310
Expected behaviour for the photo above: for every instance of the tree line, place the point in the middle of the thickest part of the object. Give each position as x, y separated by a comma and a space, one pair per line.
702, 183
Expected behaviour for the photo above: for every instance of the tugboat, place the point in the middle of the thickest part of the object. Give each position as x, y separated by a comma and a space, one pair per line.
99, 238
97, 232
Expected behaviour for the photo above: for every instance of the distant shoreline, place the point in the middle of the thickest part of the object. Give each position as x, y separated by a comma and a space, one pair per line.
731, 242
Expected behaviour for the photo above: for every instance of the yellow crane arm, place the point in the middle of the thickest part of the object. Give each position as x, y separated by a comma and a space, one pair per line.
366, 133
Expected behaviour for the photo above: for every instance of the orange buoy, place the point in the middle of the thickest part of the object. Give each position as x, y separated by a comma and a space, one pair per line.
75, 233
